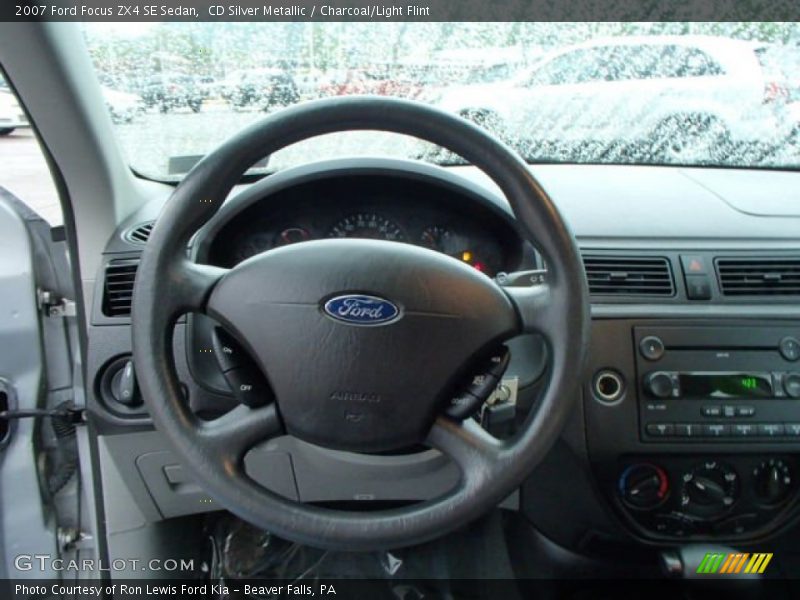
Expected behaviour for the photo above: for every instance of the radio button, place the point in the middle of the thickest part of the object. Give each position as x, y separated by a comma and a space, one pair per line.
651, 347
770, 429
716, 430
688, 429
791, 384
789, 348
745, 411
744, 429
660, 429
792, 429
712, 411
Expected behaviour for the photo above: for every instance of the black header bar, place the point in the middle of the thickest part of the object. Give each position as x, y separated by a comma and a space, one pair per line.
402, 10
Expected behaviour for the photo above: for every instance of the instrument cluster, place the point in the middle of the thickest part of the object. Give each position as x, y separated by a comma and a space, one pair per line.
469, 233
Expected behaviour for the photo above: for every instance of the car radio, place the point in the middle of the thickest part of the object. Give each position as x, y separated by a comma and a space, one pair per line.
718, 384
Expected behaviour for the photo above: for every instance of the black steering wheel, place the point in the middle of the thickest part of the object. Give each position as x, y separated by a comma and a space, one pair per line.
376, 329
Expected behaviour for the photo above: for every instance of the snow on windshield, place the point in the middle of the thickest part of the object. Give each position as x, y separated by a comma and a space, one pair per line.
651, 93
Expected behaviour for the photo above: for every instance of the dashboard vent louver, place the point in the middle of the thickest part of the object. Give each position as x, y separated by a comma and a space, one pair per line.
777, 276
628, 275
140, 233
118, 287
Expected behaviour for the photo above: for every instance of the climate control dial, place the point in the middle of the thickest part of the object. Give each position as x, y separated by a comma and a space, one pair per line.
773, 481
709, 489
644, 485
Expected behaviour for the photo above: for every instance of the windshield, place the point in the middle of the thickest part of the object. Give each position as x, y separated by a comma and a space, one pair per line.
725, 94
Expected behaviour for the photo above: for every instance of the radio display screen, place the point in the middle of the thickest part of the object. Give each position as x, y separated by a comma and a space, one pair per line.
726, 385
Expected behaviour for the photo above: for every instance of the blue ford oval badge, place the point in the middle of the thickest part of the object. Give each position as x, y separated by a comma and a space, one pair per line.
360, 309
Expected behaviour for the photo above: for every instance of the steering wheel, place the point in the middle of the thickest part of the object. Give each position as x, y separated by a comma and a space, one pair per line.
415, 322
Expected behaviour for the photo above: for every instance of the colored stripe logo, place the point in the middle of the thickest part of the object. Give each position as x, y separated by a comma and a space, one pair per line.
735, 563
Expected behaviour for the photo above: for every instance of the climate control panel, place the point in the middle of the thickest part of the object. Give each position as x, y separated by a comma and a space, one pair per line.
708, 497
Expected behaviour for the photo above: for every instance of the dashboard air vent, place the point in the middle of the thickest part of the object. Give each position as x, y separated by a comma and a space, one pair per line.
140, 233
118, 288
628, 275
774, 276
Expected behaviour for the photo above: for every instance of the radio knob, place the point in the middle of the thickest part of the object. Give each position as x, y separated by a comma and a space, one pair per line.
659, 384
791, 384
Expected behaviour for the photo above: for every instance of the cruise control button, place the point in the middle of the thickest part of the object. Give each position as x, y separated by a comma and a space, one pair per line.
482, 386
248, 386
498, 363
227, 350
716, 430
770, 429
661, 429
463, 405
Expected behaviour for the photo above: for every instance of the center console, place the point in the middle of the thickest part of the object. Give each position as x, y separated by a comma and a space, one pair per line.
692, 427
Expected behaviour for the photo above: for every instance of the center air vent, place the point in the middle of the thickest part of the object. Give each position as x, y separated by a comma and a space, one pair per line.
118, 288
759, 276
140, 233
628, 275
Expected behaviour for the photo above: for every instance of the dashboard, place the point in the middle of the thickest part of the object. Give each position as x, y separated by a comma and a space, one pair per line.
687, 424
410, 212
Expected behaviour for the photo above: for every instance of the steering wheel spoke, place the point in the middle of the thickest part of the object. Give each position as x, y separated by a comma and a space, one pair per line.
471, 447
193, 285
534, 305
236, 432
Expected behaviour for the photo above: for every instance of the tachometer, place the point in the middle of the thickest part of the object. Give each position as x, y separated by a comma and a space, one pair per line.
442, 239
368, 225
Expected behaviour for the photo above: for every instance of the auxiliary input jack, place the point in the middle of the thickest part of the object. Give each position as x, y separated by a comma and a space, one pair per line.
608, 386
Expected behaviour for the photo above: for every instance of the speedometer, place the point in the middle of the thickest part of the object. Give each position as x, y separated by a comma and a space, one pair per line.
368, 225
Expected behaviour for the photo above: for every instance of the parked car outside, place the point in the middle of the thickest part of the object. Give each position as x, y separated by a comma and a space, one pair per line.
11, 114
588, 93
261, 88
168, 92
373, 81
122, 106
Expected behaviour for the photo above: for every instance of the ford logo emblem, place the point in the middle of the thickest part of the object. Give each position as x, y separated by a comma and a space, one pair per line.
360, 309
